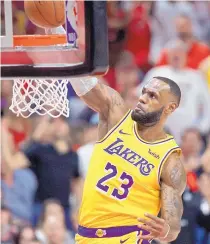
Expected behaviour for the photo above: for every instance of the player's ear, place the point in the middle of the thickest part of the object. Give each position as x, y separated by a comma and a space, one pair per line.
171, 107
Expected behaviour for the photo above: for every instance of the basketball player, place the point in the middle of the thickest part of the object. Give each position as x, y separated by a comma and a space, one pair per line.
135, 169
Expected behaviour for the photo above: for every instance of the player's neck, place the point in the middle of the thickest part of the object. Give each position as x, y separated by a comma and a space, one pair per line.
151, 133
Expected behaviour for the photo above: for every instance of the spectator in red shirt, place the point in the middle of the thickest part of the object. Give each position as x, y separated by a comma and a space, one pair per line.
139, 35
117, 23
197, 51
18, 127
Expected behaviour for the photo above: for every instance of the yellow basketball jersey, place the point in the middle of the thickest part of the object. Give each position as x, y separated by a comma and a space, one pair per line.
123, 177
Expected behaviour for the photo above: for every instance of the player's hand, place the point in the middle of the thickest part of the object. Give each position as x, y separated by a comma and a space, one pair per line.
157, 227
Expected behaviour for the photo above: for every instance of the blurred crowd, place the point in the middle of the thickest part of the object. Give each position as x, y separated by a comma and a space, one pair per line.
44, 161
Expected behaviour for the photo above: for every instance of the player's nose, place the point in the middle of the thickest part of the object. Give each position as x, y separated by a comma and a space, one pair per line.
143, 99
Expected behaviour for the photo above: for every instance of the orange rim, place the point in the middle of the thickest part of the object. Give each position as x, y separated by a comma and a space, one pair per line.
38, 40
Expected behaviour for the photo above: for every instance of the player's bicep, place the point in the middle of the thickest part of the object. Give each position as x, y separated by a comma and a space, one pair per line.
173, 173
106, 101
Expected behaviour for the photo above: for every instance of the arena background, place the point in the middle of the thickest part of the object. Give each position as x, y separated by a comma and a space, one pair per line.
168, 38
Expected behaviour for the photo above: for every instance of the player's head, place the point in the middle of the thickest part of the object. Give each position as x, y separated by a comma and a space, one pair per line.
159, 98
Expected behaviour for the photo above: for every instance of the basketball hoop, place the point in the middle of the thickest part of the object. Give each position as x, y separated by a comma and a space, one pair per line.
41, 96
66, 53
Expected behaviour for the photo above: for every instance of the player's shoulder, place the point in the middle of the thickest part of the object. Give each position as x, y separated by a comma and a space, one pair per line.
174, 157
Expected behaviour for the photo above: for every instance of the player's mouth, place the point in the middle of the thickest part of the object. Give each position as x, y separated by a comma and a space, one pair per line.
139, 108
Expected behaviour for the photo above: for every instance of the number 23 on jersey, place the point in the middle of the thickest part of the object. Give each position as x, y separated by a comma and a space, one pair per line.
123, 191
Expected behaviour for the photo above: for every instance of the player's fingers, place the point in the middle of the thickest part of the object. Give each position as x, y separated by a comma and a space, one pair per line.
155, 218
146, 237
149, 229
150, 223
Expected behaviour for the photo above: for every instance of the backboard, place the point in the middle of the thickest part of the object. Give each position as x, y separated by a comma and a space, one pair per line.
28, 51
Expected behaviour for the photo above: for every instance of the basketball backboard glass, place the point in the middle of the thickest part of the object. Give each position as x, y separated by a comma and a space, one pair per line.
80, 48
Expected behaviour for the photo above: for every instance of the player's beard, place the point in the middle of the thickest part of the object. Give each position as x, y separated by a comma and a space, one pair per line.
147, 119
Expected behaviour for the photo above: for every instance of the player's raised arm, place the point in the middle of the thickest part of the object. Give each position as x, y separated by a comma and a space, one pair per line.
100, 98
173, 182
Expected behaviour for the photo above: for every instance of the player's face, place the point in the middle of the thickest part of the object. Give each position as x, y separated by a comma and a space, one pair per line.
152, 103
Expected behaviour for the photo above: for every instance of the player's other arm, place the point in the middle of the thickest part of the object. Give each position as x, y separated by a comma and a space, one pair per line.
101, 98
173, 183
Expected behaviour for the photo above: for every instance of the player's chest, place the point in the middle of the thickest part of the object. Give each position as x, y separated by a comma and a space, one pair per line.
129, 155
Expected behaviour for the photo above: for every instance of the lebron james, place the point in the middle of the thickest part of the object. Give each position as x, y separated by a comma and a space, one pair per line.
133, 190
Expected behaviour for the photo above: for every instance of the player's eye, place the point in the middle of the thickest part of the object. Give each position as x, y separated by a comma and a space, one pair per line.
152, 95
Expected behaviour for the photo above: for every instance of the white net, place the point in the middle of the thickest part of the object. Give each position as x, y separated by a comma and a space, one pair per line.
41, 96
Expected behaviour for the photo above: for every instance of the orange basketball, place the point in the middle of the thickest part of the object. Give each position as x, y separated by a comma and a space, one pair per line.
45, 14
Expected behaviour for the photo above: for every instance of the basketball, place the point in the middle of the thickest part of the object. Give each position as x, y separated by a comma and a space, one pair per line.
45, 14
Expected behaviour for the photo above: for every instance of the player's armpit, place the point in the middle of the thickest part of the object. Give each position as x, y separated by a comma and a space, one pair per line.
173, 183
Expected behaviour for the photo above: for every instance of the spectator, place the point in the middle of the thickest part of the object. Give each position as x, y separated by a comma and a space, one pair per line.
191, 202
139, 34
131, 97
54, 156
18, 127
163, 24
196, 51
52, 207
78, 128
205, 159
117, 23
194, 107
8, 231
85, 151
127, 73
19, 25
19, 189
202, 10
6, 93
18, 186
192, 149
35, 242
203, 216
26, 236
51, 228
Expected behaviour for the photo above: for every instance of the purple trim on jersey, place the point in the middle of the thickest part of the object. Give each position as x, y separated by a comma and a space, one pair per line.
110, 232
162, 161
115, 127
140, 241
150, 143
